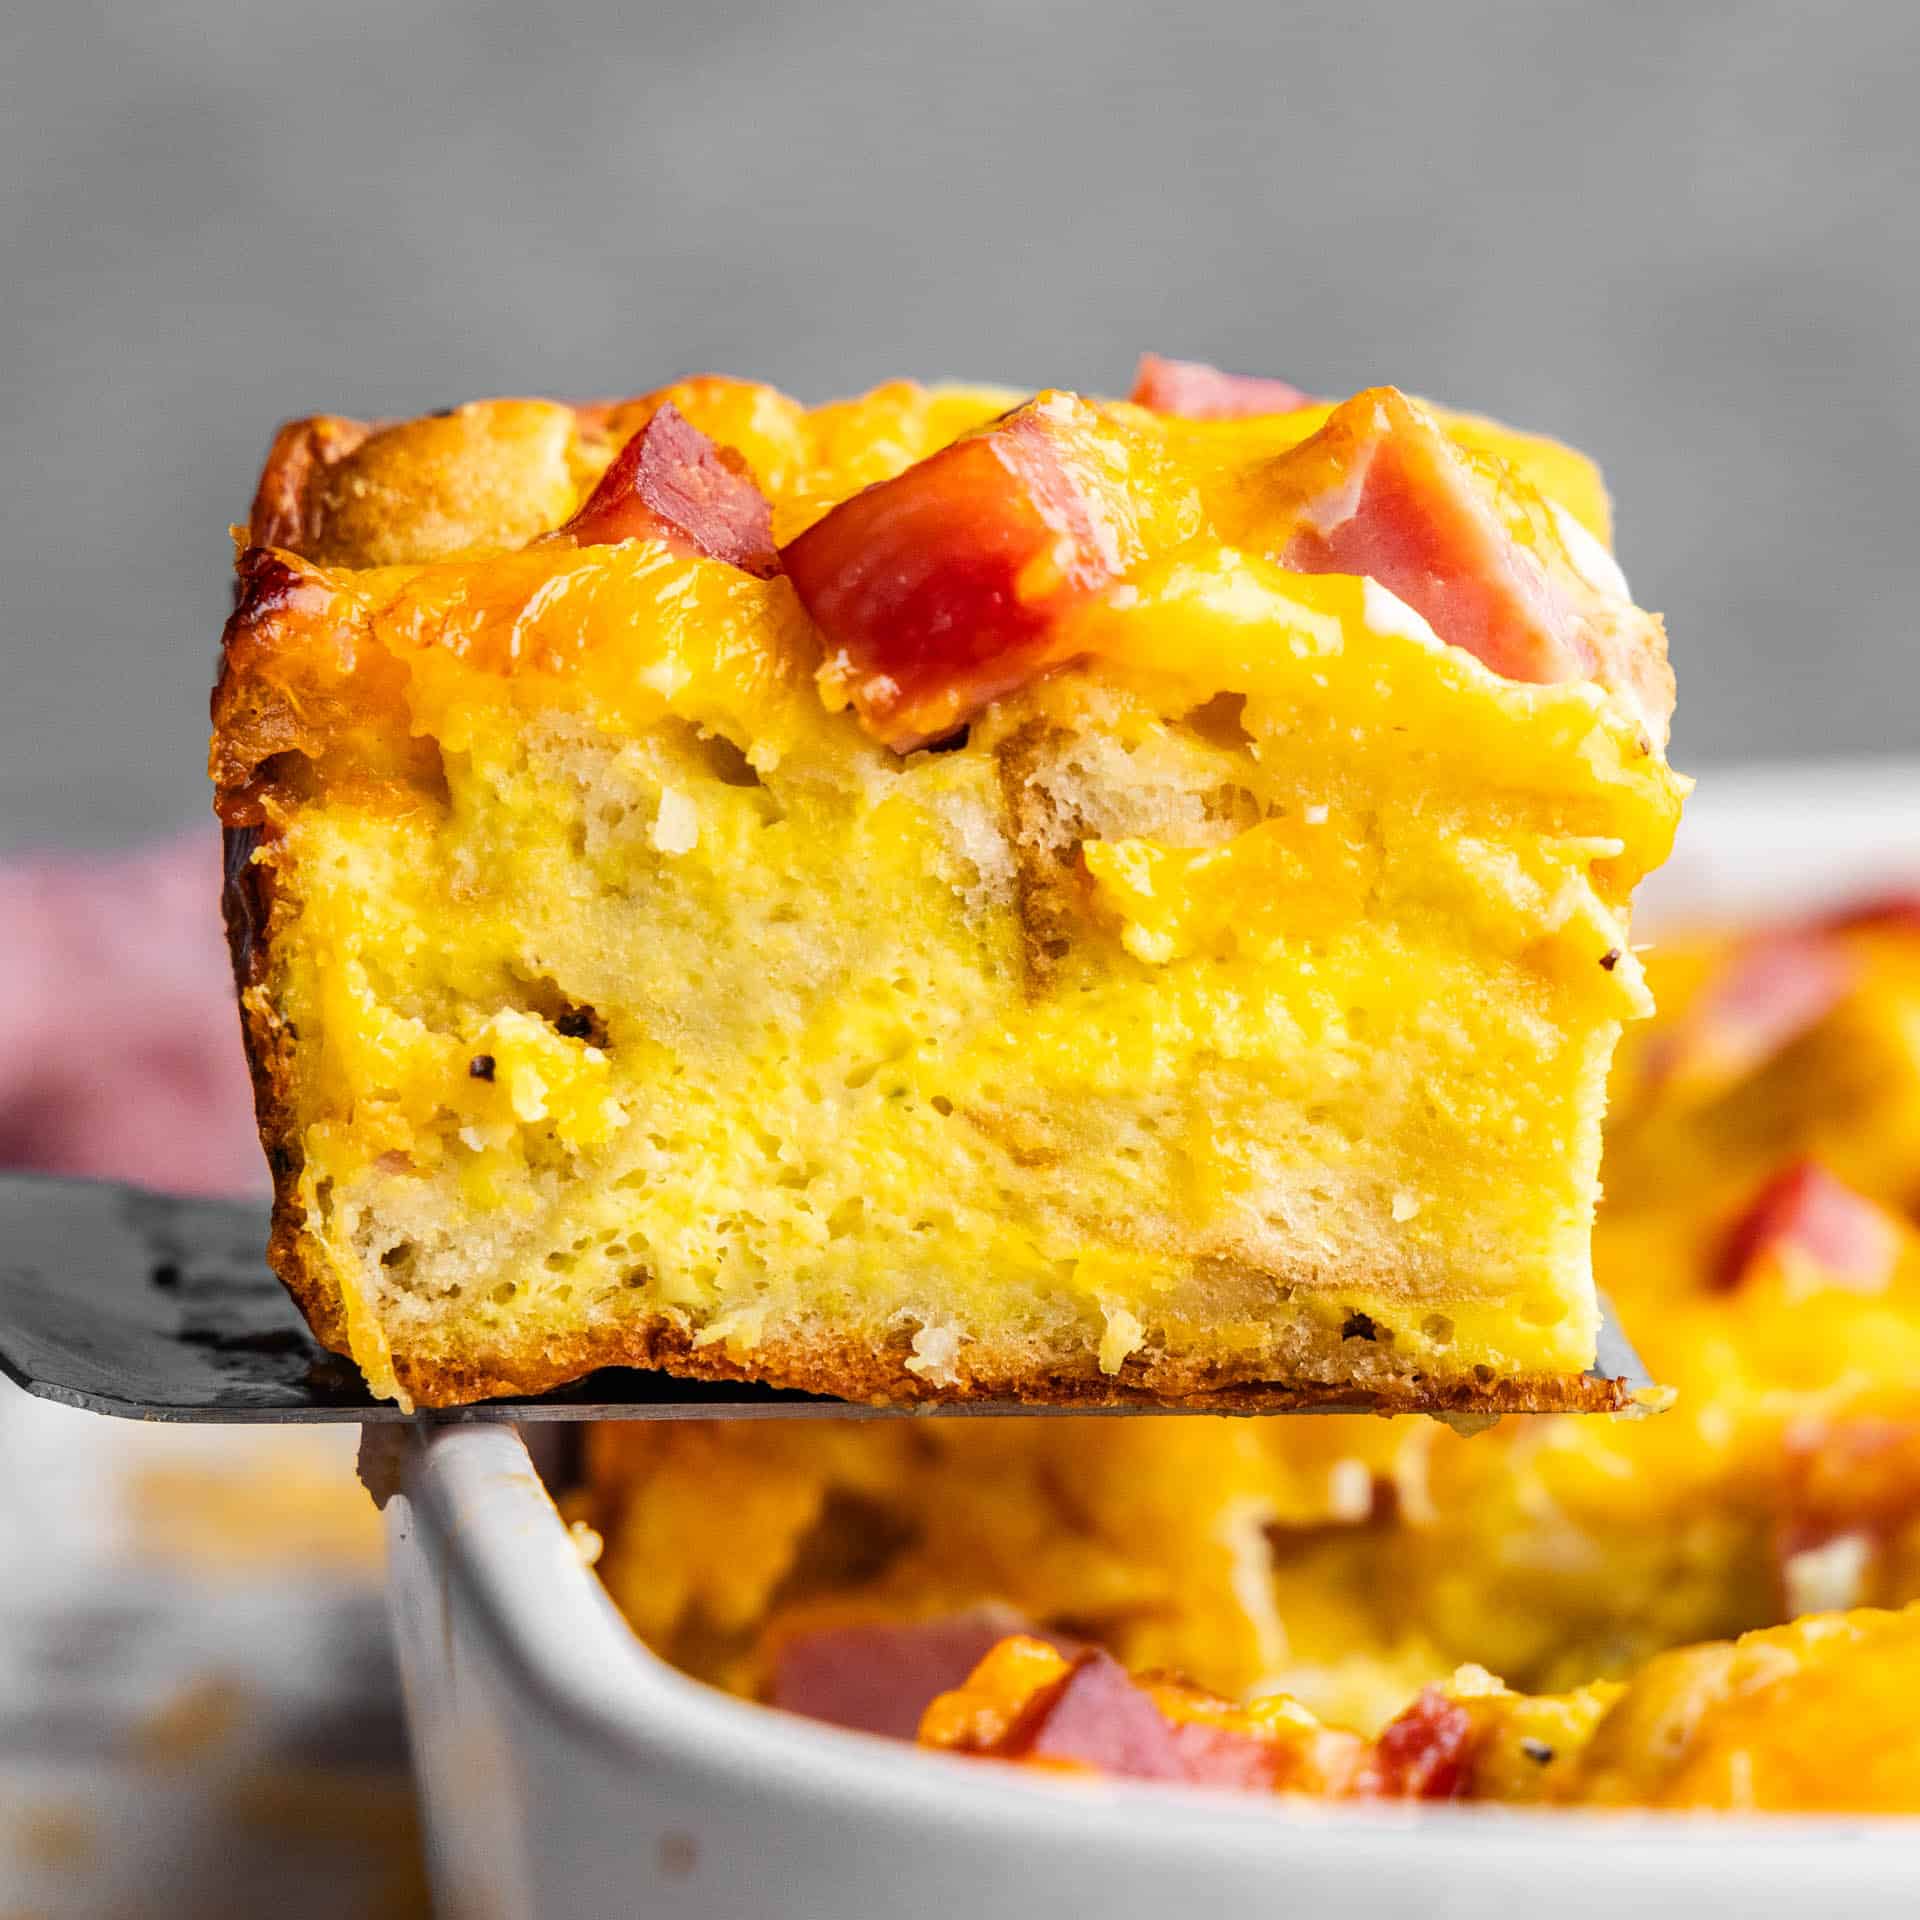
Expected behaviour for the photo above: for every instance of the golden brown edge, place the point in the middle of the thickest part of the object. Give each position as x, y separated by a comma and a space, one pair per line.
246, 904
845, 1369
282, 511
286, 502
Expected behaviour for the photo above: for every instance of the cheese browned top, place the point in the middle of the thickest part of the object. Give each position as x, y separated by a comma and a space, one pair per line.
920, 554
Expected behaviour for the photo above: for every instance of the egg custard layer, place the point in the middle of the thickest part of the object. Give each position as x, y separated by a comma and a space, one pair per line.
938, 896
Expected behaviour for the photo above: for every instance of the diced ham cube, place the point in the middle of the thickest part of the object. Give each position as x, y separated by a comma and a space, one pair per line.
671, 483
1849, 1489
1775, 989
1897, 911
943, 588
1424, 1753
877, 1676
1817, 1227
1192, 390
1381, 491
1096, 1716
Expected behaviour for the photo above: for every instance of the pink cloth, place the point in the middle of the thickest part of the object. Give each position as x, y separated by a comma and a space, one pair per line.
119, 1041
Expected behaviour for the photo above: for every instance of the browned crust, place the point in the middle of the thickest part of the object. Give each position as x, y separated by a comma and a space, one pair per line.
284, 501
247, 902
849, 1369
247, 906
288, 510
283, 516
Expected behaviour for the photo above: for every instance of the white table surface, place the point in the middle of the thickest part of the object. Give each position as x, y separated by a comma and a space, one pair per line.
198, 1710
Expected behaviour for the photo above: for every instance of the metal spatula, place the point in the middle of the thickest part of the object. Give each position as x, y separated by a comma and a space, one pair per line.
156, 1308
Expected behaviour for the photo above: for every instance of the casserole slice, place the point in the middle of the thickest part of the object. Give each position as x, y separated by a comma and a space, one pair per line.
940, 896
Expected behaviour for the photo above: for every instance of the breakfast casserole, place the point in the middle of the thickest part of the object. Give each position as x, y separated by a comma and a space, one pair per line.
1763, 1167
1805, 1718
945, 895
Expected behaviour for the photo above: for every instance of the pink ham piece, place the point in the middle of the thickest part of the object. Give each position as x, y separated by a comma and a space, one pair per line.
1775, 989
877, 1676
1098, 1716
1854, 1477
671, 483
1381, 491
945, 587
1095, 1716
1894, 912
1816, 1226
1192, 390
1425, 1753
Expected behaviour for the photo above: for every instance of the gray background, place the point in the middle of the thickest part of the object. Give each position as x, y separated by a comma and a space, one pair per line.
1681, 236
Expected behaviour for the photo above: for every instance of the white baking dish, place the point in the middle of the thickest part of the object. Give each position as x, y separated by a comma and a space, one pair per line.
566, 1773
